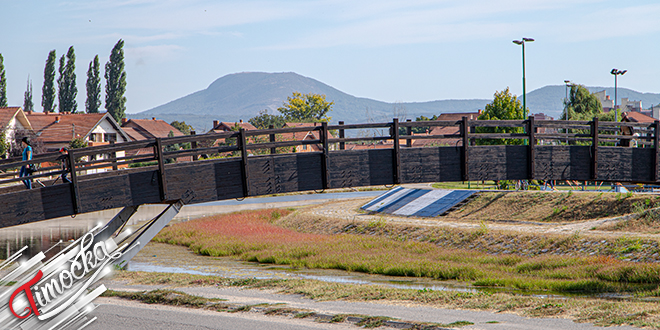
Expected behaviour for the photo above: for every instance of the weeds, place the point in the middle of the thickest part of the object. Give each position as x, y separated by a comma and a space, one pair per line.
251, 236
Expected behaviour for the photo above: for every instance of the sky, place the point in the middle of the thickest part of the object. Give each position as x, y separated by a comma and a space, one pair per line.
392, 51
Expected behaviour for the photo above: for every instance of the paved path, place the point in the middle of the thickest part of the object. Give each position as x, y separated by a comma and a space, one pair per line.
120, 312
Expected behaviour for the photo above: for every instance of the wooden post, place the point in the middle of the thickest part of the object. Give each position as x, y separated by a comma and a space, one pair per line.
396, 156
161, 169
594, 147
342, 145
272, 138
466, 142
113, 157
532, 143
409, 132
244, 160
324, 159
193, 145
75, 197
656, 143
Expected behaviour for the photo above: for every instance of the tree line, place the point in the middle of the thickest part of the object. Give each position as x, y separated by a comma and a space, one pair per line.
59, 95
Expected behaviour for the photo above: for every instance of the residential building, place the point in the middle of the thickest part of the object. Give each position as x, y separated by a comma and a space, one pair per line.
223, 126
302, 136
145, 129
12, 120
446, 130
633, 117
56, 130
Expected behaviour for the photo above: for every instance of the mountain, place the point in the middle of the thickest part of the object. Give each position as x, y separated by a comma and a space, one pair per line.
243, 95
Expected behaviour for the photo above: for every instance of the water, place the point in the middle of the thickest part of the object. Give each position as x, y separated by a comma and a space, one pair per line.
158, 257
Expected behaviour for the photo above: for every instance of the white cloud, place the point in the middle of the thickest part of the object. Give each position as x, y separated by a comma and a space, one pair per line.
144, 55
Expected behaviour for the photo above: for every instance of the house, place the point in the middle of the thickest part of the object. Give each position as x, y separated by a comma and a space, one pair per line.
445, 130
56, 130
12, 120
145, 129
633, 117
223, 126
302, 136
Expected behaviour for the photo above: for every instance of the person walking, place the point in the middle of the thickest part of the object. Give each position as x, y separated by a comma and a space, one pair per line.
65, 165
27, 155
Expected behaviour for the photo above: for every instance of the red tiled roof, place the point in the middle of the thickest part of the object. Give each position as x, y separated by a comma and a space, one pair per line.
225, 126
637, 117
149, 129
133, 134
8, 113
68, 127
459, 115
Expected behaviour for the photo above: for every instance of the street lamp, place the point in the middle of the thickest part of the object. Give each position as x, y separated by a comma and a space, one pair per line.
522, 43
616, 73
567, 82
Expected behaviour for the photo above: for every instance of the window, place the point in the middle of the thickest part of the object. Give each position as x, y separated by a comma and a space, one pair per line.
110, 137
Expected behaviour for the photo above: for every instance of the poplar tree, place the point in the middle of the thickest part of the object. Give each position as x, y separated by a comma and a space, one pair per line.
3, 83
48, 89
67, 83
93, 102
28, 105
115, 83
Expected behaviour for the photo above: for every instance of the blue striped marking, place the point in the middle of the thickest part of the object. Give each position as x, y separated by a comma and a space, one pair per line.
381, 197
403, 200
443, 204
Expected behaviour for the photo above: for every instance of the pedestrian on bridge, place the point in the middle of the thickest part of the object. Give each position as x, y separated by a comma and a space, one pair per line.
27, 155
65, 164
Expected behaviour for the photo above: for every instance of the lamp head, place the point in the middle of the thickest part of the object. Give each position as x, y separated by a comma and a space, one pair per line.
623, 72
566, 81
517, 42
528, 39
613, 71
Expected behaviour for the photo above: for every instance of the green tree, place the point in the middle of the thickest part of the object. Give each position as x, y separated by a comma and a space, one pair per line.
306, 108
48, 89
182, 127
115, 83
582, 105
67, 83
263, 120
93, 101
3, 83
4, 145
28, 105
78, 143
505, 106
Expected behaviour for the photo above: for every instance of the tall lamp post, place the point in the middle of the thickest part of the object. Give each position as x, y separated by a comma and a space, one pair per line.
522, 43
567, 82
616, 73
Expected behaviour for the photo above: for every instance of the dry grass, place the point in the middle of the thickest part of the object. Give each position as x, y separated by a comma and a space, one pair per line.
597, 311
551, 206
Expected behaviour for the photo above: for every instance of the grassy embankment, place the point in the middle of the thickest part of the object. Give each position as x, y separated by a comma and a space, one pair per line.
598, 311
253, 236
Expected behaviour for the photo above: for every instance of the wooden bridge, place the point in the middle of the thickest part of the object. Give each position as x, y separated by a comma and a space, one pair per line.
547, 150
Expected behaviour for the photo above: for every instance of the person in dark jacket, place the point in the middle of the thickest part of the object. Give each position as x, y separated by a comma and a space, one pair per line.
27, 155
64, 158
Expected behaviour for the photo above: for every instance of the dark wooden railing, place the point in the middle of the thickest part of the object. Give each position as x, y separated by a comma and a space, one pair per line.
531, 149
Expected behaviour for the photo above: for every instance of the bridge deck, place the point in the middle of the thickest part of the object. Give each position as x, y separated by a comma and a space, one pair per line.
237, 177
